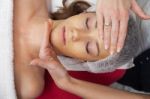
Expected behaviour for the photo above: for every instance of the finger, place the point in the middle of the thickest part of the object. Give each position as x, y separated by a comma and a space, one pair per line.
100, 25
45, 45
48, 63
38, 62
122, 33
107, 31
114, 35
45, 42
137, 9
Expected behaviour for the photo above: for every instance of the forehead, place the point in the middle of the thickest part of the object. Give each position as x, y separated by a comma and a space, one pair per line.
87, 14
83, 15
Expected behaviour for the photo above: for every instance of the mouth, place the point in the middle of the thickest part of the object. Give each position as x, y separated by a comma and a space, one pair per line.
64, 35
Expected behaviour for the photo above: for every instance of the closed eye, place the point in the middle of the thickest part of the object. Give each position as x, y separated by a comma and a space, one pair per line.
86, 23
92, 48
87, 50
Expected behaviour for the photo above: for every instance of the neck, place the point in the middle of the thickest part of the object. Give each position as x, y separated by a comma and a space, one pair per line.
37, 35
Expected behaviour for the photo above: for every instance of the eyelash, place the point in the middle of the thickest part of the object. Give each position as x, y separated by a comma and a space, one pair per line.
86, 47
86, 23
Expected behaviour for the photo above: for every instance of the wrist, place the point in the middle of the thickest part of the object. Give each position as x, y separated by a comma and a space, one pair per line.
65, 83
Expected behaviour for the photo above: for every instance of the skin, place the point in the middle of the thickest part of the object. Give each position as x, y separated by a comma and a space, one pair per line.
47, 60
116, 12
29, 30
82, 40
27, 36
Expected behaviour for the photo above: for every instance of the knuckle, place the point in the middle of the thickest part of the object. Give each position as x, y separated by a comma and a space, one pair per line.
115, 32
125, 14
115, 15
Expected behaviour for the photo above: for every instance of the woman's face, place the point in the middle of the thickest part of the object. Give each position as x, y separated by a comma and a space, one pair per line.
78, 37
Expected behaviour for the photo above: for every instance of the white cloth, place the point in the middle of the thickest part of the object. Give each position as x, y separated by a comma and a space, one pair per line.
127, 88
145, 24
54, 5
7, 87
97, 67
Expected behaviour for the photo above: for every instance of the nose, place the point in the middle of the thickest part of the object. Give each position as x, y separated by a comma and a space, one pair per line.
78, 35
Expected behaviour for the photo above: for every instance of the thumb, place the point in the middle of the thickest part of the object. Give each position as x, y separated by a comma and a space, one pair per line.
137, 9
41, 63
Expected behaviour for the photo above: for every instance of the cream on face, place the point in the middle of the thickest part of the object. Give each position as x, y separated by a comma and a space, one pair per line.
78, 37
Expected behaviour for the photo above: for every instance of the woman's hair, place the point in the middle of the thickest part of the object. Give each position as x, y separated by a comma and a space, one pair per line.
73, 8
110, 63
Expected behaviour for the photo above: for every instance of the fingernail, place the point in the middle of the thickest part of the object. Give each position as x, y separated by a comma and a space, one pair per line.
118, 49
111, 52
106, 46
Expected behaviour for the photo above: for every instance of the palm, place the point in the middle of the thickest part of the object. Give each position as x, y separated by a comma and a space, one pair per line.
47, 52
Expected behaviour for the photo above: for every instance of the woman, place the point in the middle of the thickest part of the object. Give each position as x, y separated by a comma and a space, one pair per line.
29, 80
28, 34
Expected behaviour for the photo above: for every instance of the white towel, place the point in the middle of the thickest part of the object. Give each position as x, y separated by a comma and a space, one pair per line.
7, 87
54, 5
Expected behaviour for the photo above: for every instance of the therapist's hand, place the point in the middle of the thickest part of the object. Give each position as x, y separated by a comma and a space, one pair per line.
113, 16
48, 60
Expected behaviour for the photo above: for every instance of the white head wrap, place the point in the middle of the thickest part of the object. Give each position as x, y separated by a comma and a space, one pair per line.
111, 63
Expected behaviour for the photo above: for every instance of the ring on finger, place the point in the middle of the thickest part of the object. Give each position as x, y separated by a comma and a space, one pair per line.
107, 24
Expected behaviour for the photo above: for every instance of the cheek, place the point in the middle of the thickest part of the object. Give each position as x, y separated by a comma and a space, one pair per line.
75, 51
55, 38
103, 53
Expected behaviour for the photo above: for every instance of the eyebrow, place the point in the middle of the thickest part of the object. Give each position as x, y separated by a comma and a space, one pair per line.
96, 24
87, 50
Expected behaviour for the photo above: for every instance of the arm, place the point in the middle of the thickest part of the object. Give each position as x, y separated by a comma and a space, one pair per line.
28, 12
27, 15
94, 91
81, 88
26, 9
48, 60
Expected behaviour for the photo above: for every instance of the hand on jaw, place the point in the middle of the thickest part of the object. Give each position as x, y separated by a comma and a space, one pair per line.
48, 60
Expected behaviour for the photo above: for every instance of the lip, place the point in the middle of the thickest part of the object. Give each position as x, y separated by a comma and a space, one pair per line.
63, 35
